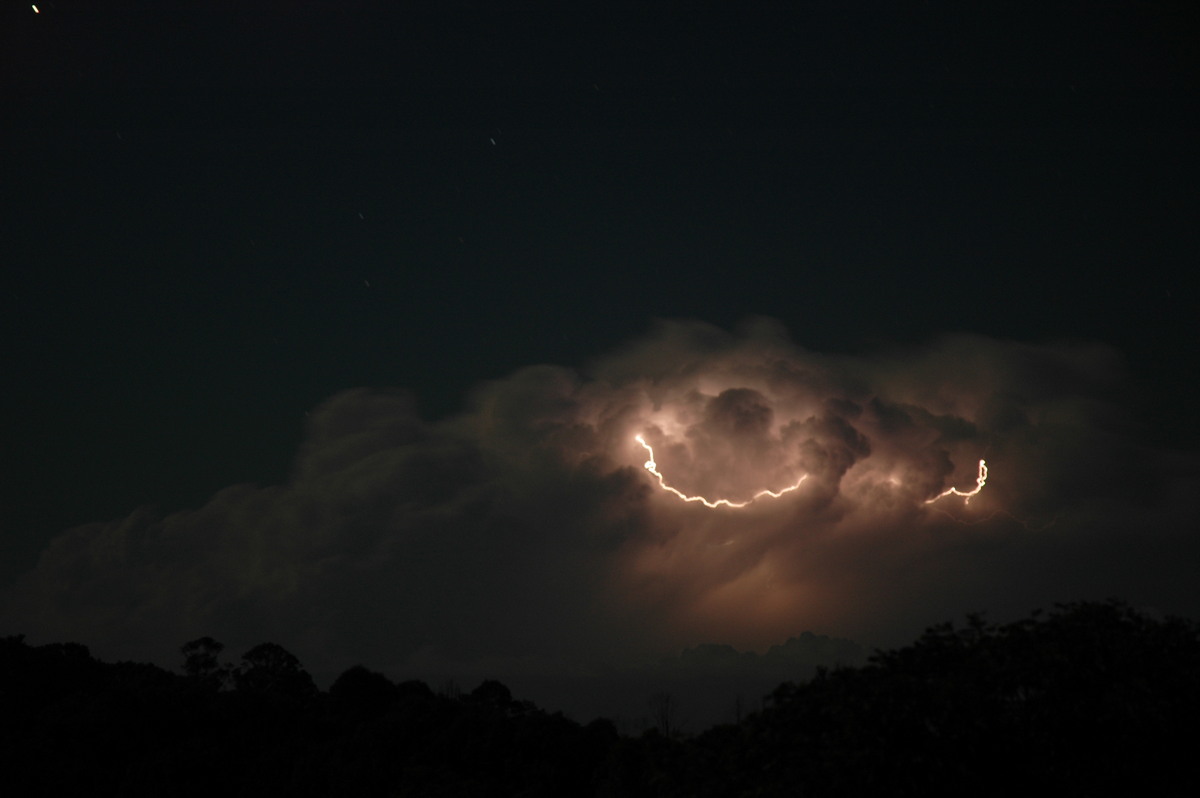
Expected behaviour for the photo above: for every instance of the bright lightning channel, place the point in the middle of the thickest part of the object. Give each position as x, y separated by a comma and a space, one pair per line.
980, 481
652, 467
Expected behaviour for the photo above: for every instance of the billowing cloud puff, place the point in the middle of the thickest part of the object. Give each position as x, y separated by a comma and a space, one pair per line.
526, 531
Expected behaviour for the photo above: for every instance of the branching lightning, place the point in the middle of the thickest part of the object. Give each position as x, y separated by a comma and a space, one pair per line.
652, 467
980, 481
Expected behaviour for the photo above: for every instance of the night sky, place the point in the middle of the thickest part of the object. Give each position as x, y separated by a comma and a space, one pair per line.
332, 324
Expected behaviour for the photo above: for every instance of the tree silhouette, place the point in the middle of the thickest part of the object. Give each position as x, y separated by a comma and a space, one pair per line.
363, 694
200, 662
493, 694
663, 710
269, 667
1086, 700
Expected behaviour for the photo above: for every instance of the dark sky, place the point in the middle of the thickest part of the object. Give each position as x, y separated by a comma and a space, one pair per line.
216, 217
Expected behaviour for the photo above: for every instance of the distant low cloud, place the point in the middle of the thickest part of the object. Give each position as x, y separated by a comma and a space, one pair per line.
525, 533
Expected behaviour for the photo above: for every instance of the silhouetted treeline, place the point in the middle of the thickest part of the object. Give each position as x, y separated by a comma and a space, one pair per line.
1092, 698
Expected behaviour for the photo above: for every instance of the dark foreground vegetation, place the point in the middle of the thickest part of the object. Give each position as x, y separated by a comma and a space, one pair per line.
1091, 699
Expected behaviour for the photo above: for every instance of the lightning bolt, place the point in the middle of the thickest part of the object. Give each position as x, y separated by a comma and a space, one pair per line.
980, 481
652, 467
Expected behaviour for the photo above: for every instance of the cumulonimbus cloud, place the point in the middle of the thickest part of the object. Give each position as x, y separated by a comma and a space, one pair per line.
528, 529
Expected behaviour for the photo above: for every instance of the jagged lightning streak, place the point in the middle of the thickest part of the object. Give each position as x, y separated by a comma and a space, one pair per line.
980, 481
652, 467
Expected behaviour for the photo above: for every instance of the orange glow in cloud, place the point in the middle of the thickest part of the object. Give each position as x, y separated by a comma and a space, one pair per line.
652, 467
980, 481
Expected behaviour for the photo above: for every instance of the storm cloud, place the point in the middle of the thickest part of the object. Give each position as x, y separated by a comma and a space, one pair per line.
525, 533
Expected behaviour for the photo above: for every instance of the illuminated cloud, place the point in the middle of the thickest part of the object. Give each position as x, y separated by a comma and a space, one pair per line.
526, 532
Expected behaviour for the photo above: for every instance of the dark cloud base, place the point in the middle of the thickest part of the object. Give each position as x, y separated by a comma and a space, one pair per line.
524, 539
